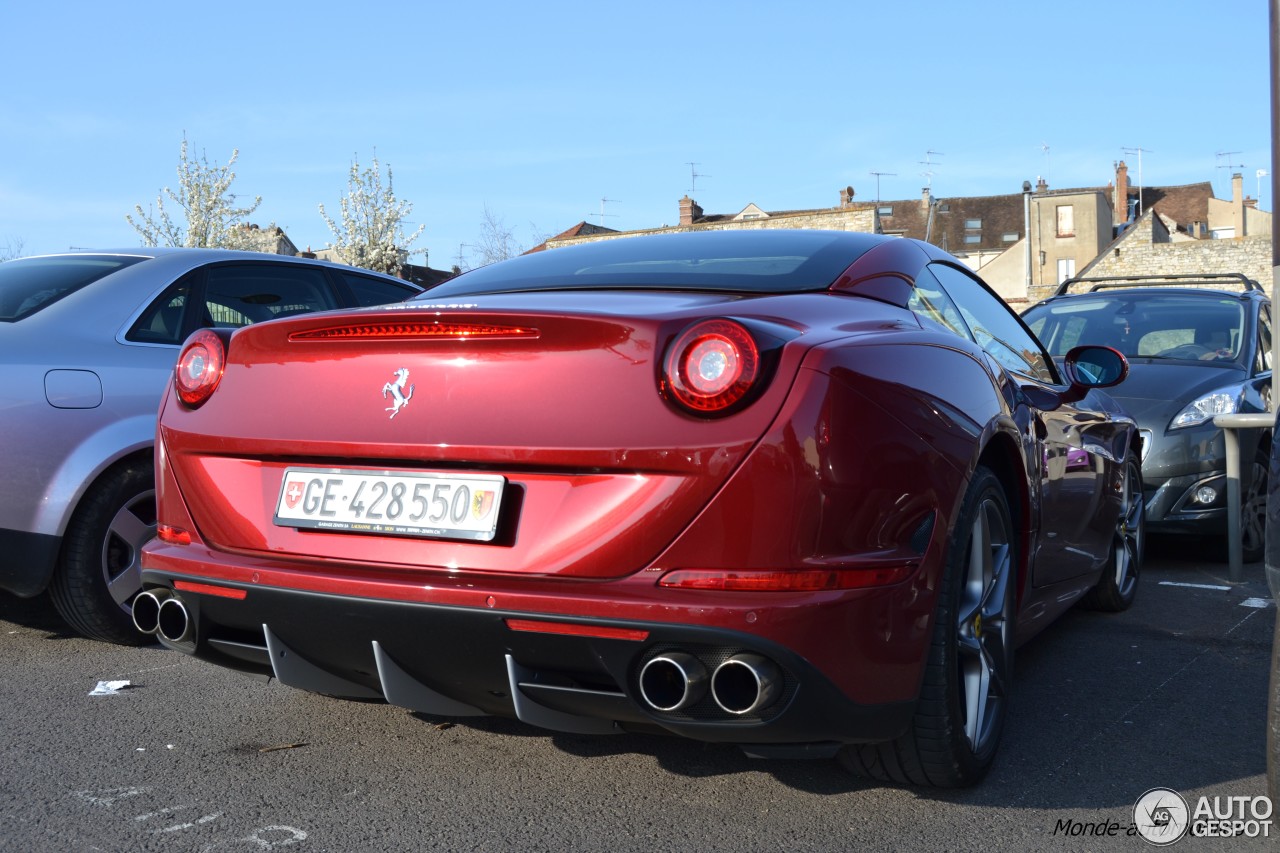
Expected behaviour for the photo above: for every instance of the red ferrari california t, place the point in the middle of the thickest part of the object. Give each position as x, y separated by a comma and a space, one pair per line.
799, 491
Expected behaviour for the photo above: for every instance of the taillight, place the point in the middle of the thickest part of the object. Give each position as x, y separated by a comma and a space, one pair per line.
200, 367
711, 367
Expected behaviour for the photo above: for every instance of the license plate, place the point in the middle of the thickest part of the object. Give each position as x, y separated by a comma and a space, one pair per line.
391, 503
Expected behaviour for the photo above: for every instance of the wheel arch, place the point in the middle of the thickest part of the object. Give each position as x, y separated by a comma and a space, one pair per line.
87, 464
1002, 457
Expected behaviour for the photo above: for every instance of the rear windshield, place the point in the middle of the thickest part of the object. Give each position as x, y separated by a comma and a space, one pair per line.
741, 261
30, 284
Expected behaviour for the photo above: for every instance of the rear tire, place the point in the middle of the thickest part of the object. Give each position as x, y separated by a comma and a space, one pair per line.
968, 675
1118, 585
99, 570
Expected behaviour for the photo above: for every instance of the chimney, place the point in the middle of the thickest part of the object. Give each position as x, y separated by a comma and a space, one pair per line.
689, 211
846, 197
1041, 185
1121, 202
924, 198
1237, 203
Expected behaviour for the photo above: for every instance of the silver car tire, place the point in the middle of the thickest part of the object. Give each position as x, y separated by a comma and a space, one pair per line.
99, 571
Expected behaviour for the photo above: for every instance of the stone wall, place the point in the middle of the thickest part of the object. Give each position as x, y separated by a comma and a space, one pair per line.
1138, 254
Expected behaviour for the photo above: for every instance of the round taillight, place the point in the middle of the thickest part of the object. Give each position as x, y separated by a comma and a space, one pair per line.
199, 367
711, 366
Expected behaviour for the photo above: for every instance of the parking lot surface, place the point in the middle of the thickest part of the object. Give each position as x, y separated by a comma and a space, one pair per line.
189, 757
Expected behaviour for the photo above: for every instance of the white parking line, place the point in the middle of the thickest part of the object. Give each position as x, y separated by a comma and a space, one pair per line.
1196, 585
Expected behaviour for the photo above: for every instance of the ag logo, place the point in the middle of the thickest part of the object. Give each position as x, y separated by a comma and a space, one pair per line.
1161, 816
399, 397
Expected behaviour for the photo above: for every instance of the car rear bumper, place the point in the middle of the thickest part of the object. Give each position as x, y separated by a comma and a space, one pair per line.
564, 673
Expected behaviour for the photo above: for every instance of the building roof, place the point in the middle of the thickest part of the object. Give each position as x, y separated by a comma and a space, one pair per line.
580, 230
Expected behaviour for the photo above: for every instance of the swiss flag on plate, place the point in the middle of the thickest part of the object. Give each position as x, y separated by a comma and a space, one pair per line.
292, 494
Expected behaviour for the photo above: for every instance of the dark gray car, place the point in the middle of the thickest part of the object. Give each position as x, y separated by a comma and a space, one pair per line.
87, 343
1198, 346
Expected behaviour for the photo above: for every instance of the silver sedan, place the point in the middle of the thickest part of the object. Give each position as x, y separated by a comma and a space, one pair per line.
87, 343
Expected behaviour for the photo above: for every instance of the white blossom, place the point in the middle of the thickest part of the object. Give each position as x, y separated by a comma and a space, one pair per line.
209, 217
372, 234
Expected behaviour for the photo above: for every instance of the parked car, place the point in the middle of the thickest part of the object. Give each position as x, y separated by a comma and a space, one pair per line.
1198, 346
88, 342
800, 491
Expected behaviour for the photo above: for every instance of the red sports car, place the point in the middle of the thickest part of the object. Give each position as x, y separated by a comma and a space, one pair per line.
798, 491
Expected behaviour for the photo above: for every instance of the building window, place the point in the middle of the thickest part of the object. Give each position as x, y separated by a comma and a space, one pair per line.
887, 210
1066, 221
973, 223
1011, 237
1066, 269
971, 239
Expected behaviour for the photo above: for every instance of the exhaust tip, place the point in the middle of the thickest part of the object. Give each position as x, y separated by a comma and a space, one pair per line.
146, 612
672, 681
745, 684
172, 620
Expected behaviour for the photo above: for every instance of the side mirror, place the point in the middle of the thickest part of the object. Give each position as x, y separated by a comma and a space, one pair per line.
1095, 367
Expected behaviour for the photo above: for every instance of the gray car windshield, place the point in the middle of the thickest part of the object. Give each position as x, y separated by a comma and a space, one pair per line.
755, 261
31, 284
1201, 327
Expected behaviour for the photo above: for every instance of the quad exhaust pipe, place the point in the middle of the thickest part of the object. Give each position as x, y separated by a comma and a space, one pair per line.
673, 681
146, 611
744, 684
161, 612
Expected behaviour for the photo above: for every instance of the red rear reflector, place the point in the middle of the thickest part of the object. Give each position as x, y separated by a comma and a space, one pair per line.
573, 630
173, 535
210, 589
801, 580
414, 331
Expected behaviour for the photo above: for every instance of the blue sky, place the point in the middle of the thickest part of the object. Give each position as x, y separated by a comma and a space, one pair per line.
538, 111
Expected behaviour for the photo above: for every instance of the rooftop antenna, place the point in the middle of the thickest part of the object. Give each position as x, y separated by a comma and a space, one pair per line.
1139, 151
878, 174
603, 202
1044, 147
1230, 155
928, 173
461, 257
1230, 164
694, 174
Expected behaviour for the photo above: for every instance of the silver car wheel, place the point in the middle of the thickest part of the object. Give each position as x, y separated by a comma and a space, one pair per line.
131, 528
984, 624
1130, 530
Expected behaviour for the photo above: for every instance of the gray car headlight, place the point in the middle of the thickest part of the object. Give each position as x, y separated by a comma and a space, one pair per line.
1224, 401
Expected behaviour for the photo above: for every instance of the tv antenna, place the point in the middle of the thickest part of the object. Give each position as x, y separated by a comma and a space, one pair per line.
1044, 148
694, 174
928, 173
603, 202
1139, 152
1230, 164
878, 174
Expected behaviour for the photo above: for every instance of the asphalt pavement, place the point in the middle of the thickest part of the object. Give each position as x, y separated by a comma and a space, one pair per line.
188, 757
